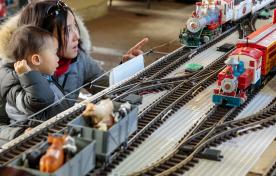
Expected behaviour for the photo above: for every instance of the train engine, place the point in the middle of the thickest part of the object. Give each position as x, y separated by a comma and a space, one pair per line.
202, 26
212, 17
242, 74
251, 63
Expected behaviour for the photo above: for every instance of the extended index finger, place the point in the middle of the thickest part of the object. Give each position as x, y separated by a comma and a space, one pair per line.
140, 44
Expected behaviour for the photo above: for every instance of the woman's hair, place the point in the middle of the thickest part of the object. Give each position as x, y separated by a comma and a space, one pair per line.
28, 40
50, 15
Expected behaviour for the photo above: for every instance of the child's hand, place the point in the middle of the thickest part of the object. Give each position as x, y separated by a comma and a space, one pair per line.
21, 67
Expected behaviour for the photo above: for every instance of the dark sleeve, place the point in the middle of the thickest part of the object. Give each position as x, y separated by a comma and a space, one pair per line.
8, 133
93, 70
32, 93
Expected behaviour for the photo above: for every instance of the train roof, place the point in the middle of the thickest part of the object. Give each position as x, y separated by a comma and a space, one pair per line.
227, 1
248, 51
263, 37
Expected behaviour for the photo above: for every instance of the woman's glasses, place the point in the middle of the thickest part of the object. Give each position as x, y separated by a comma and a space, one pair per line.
56, 9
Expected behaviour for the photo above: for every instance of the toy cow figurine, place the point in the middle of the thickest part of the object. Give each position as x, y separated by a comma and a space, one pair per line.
100, 114
54, 157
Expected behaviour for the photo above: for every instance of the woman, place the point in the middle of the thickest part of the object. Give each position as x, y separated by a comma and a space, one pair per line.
76, 67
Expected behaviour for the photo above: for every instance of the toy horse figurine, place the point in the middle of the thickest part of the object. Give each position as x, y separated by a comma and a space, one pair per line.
54, 157
100, 114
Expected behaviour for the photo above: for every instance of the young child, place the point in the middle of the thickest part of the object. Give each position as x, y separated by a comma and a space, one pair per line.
31, 88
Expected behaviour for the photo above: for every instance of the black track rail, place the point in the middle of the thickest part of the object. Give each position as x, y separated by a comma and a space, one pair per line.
167, 65
210, 134
156, 114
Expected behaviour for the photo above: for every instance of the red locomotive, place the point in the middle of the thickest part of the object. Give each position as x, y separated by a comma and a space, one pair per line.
252, 60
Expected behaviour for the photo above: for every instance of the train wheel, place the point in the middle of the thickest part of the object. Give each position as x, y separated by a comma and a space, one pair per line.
224, 103
124, 145
206, 39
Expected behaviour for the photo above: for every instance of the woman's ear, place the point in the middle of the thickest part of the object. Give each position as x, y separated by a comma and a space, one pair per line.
36, 59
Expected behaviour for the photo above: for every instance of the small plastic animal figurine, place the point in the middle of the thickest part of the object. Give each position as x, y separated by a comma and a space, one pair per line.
33, 156
124, 109
101, 114
54, 157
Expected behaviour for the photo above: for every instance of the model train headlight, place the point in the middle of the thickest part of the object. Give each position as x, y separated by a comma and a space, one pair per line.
228, 85
193, 25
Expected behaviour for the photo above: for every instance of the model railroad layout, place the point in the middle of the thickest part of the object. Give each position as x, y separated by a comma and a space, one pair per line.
218, 125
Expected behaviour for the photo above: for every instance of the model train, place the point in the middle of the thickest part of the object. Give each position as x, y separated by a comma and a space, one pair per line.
93, 138
212, 17
247, 66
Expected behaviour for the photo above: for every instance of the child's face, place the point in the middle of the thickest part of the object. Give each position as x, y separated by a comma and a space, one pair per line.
48, 57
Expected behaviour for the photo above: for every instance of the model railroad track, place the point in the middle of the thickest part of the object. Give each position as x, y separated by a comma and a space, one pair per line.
216, 116
189, 150
271, 7
150, 76
272, 170
154, 116
176, 63
156, 84
179, 54
167, 64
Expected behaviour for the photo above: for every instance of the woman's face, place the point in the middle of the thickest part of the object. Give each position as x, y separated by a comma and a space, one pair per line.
71, 50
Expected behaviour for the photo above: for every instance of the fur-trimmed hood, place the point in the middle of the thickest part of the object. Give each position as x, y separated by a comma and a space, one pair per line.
8, 27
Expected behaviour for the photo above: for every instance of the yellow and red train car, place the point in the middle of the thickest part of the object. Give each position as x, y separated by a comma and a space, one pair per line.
264, 40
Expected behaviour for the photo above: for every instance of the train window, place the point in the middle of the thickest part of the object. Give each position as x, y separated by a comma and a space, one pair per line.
251, 63
237, 2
